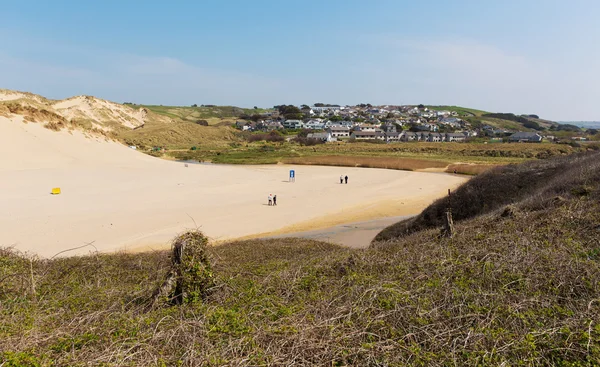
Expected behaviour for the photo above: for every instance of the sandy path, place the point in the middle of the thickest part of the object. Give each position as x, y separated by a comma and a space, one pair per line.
353, 235
118, 198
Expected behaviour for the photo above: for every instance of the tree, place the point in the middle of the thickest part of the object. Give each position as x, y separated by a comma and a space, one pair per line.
256, 108
290, 112
194, 105
421, 107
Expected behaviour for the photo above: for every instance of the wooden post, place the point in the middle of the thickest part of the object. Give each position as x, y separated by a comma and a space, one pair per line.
448, 230
178, 249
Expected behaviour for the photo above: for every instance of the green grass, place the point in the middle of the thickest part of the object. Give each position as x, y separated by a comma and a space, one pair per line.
462, 111
270, 153
518, 289
215, 114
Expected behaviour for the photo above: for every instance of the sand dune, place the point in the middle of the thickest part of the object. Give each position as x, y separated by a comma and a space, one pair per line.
98, 113
118, 198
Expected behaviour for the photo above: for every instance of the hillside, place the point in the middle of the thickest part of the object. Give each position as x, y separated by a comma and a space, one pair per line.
513, 287
506, 121
213, 115
133, 125
532, 184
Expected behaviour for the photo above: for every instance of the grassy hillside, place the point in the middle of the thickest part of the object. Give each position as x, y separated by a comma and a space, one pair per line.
478, 117
462, 111
517, 289
532, 184
214, 115
179, 135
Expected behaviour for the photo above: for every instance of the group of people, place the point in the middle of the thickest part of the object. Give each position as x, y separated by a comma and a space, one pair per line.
272, 199
343, 178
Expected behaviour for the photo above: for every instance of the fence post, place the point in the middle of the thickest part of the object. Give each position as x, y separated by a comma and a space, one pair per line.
448, 230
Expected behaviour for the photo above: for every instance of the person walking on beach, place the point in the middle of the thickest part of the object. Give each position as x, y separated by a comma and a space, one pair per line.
346, 178
341, 179
274, 200
270, 199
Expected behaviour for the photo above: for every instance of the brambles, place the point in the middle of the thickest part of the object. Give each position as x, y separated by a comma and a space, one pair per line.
195, 275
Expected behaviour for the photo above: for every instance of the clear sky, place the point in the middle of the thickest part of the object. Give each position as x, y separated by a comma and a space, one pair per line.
527, 56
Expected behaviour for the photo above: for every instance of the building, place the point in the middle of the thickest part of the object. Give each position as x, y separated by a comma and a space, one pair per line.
367, 135
326, 137
392, 137
325, 109
525, 137
293, 124
435, 137
407, 136
456, 137
339, 131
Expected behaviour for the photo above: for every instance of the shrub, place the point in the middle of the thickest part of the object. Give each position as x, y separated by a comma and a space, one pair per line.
194, 270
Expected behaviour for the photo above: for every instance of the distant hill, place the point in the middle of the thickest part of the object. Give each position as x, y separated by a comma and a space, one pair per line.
583, 124
508, 121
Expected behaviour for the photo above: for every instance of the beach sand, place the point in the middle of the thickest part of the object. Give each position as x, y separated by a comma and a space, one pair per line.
116, 198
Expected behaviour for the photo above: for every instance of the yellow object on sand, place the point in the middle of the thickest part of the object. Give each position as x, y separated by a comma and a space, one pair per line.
56, 191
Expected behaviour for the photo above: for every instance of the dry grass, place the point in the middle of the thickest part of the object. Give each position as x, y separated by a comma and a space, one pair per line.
407, 164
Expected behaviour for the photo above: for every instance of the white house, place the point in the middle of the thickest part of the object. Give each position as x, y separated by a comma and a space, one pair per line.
339, 131
326, 136
293, 124
367, 135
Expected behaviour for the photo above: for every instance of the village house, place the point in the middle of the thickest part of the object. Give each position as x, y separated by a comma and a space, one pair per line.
325, 136
272, 125
389, 128
339, 131
392, 136
367, 127
293, 124
246, 125
435, 137
315, 124
457, 137
367, 135
525, 137
450, 121
407, 136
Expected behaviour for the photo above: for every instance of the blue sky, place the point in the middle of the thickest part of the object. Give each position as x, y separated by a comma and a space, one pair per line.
528, 56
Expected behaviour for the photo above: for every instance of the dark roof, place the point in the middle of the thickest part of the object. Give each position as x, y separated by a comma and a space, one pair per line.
524, 135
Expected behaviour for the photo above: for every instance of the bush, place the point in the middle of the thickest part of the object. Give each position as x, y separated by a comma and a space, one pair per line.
273, 136
194, 270
308, 141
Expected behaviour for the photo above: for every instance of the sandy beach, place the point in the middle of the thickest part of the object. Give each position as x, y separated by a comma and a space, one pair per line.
119, 199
